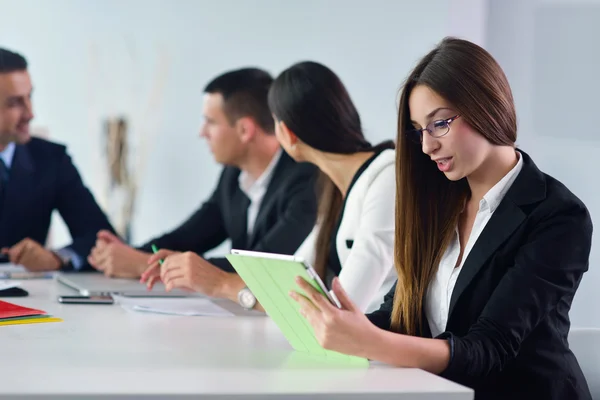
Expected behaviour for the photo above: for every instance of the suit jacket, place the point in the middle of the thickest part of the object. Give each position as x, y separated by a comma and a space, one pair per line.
508, 320
286, 215
43, 179
365, 239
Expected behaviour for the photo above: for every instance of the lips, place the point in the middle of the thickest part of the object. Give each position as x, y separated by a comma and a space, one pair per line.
23, 127
444, 164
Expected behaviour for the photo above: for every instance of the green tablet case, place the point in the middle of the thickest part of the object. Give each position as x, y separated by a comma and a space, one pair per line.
271, 280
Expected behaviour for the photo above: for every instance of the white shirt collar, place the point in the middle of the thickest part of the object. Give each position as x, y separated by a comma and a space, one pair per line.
495, 195
256, 188
7, 154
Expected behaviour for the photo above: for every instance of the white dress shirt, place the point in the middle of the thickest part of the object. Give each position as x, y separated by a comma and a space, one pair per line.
7, 154
439, 293
255, 190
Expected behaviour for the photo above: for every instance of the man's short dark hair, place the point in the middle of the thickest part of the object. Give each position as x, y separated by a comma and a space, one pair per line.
245, 92
11, 61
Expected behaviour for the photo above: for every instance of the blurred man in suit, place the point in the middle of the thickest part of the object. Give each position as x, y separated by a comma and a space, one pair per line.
36, 178
264, 200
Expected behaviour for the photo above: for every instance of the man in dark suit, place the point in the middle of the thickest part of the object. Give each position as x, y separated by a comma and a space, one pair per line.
37, 177
264, 200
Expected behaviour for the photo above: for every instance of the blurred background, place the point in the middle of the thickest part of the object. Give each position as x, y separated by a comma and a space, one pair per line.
147, 61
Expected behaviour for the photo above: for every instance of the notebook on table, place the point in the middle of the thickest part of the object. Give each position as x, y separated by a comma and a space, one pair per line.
94, 283
13, 314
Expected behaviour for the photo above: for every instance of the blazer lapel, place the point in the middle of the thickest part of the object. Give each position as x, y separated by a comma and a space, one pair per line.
268, 199
19, 190
505, 220
529, 187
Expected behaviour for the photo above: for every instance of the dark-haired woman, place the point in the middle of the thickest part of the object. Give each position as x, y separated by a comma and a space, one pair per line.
316, 122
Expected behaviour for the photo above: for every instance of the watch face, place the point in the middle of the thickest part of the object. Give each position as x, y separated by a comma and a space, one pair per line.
247, 299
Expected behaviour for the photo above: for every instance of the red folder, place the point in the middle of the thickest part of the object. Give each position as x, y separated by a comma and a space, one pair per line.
10, 310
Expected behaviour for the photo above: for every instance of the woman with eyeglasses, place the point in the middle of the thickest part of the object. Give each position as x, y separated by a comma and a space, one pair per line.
489, 250
316, 122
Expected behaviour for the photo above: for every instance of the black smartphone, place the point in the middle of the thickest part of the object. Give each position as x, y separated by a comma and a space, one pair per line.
96, 299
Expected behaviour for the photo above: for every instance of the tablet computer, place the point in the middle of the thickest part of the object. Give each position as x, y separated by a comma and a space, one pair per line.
271, 277
312, 277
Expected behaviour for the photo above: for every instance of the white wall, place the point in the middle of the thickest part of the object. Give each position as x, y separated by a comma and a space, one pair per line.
79, 53
548, 49
90, 58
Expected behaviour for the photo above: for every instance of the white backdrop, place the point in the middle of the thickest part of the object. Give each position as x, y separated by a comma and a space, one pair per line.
91, 58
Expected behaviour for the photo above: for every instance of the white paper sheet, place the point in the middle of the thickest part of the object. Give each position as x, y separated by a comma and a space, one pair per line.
4, 284
15, 271
173, 306
9, 268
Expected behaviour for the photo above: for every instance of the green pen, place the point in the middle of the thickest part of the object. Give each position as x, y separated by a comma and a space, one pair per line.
155, 250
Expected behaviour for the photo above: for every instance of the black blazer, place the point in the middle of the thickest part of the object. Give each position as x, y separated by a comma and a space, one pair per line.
43, 179
509, 312
286, 216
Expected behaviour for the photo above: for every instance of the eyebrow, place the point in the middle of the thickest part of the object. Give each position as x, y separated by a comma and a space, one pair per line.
19, 96
431, 114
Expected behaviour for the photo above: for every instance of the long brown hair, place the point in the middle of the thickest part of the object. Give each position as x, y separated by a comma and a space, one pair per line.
428, 204
314, 104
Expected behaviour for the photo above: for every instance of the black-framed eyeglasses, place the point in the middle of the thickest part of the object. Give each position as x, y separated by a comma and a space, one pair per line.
436, 129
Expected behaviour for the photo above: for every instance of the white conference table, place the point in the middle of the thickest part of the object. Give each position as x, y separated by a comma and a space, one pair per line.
104, 350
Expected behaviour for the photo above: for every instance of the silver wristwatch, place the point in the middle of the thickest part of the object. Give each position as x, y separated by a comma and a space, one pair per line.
246, 299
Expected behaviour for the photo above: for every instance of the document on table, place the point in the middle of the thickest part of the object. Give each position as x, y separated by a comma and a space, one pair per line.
10, 267
16, 271
173, 306
8, 284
